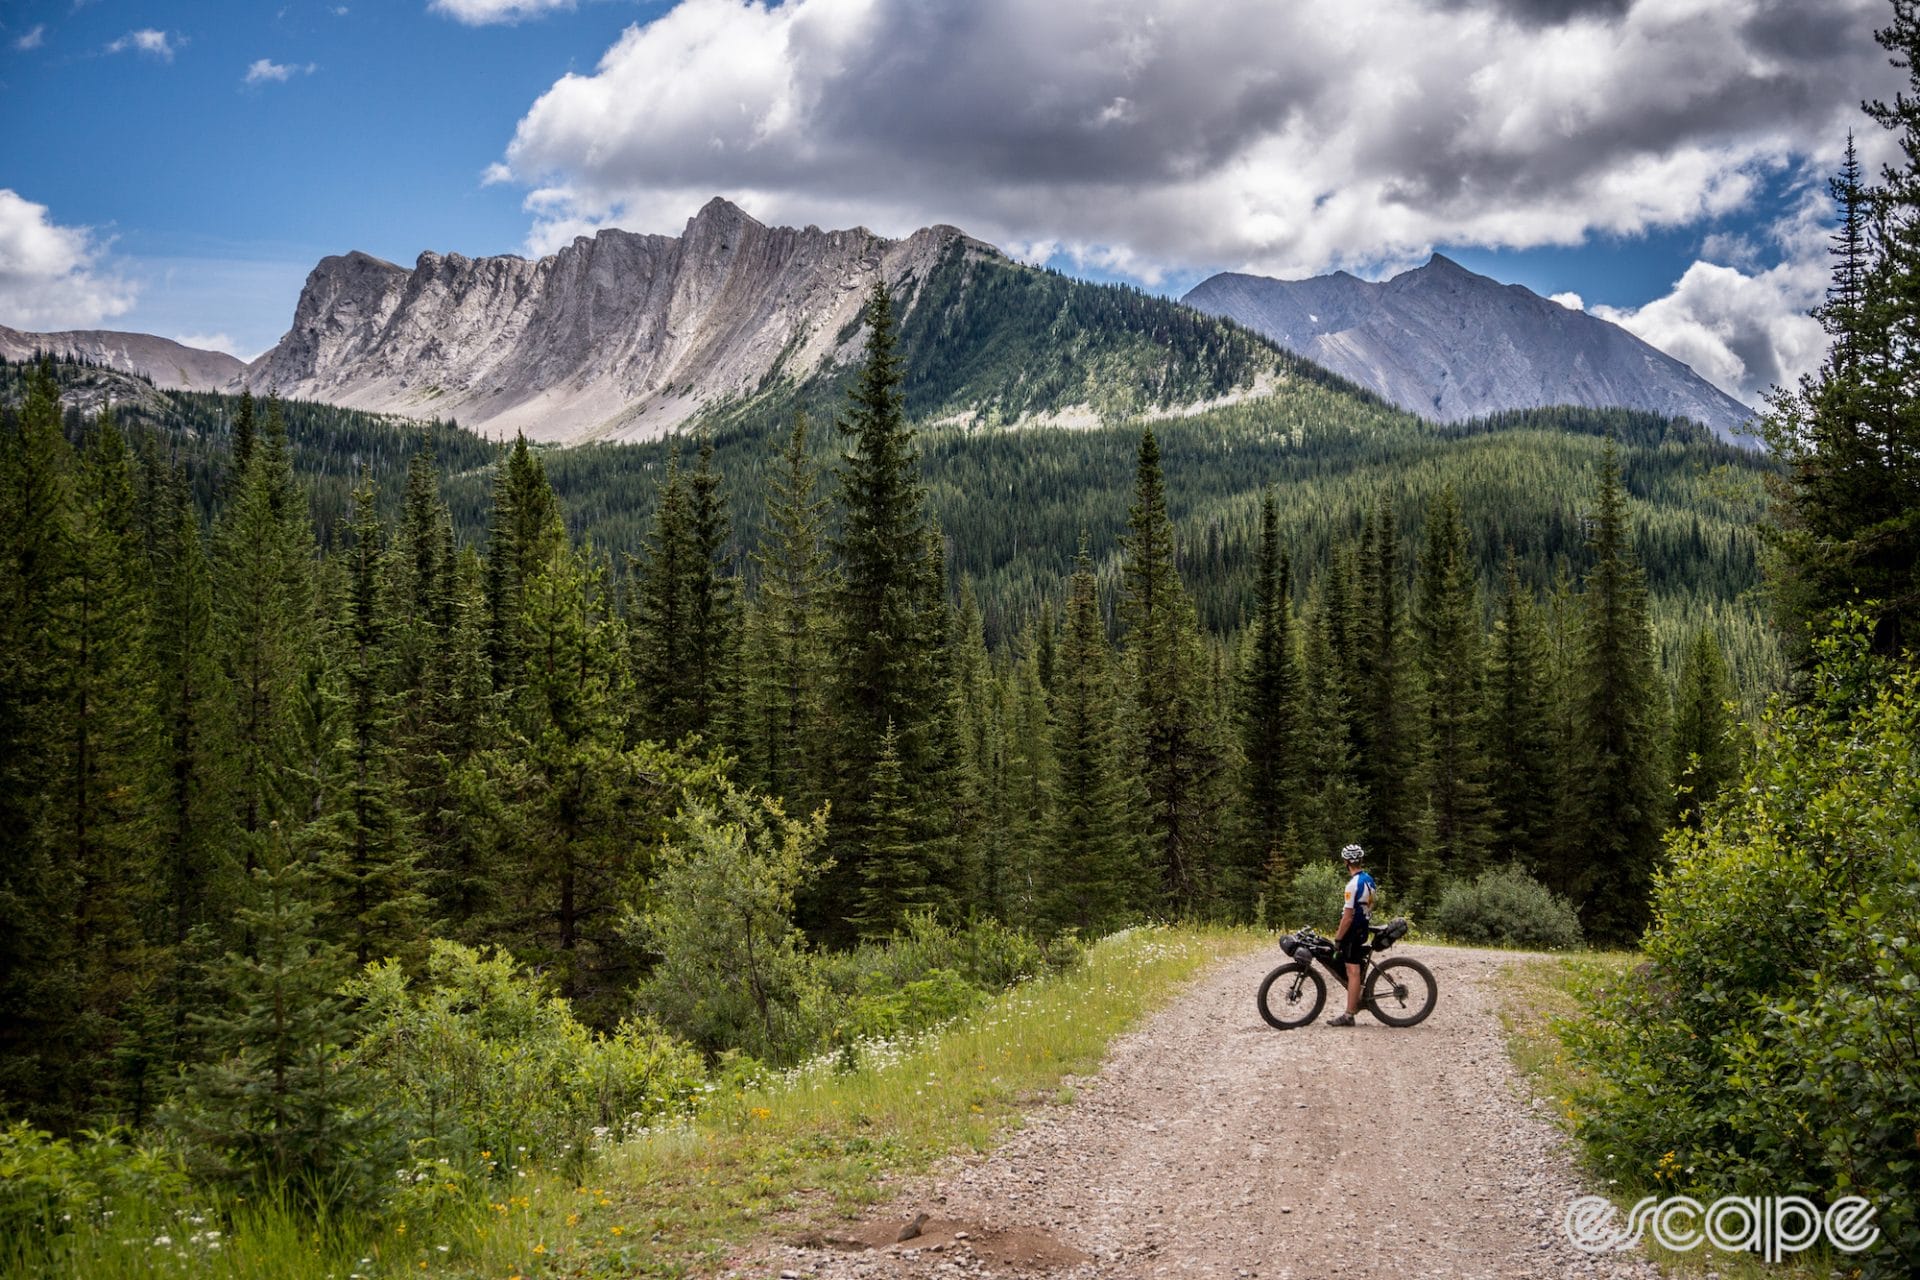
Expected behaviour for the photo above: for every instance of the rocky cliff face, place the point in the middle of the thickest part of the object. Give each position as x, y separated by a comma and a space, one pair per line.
171, 365
620, 336
1448, 344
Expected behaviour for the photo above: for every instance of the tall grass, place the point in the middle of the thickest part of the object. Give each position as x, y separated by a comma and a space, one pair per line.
811, 1142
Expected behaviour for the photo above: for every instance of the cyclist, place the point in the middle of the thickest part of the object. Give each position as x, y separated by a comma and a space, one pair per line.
1350, 939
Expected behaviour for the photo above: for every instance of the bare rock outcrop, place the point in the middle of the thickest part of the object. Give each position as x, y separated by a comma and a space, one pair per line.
616, 336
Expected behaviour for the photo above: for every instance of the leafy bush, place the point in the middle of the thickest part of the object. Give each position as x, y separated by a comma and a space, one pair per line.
928, 974
50, 1186
1771, 1045
482, 1057
733, 971
1506, 907
1313, 898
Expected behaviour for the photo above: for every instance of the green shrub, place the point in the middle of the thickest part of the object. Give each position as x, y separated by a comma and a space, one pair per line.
51, 1186
1506, 907
482, 1057
733, 971
1313, 898
1771, 1044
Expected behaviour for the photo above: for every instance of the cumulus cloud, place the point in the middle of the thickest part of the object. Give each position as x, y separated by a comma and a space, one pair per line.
480, 13
265, 70
32, 39
1283, 139
51, 276
1571, 301
1745, 328
160, 44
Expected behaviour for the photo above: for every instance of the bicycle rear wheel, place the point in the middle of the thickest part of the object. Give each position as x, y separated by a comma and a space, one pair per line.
1401, 992
1292, 995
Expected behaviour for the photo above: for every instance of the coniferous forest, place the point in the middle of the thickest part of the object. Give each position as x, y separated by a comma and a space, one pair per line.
338, 748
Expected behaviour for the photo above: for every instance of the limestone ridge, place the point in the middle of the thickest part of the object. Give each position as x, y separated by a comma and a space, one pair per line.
171, 365
616, 336
1449, 344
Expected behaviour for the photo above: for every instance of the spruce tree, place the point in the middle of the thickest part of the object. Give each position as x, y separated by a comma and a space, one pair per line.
1389, 741
1094, 879
1519, 732
1448, 653
1704, 755
522, 532
793, 667
894, 879
664, 625
1269, 714
713, 621
365, 843
1174, 743
275, 1109
1329, 813
1621, 782
36, 477
263, 592
97, 823
884, 665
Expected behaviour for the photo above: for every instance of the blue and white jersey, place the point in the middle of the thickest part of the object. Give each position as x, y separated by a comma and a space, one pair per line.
1359, 898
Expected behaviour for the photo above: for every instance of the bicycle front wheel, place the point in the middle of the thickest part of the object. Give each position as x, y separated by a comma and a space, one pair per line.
1292, 995
1401, 992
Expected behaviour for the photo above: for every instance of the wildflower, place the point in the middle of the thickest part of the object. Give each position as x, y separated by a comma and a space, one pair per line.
573, 1219
540, 1248
619, 1230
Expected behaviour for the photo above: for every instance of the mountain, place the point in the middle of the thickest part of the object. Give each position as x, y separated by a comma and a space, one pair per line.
171, 365
623, 336
1449, 344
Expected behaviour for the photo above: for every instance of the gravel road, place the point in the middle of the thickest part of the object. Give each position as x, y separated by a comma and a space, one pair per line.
1211, 1145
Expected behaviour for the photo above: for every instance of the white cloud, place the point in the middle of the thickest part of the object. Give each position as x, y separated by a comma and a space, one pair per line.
1284, 139
160, 44
1744, 328
494, 174
263, 70
208, 342
32, 39
480, 13
51, 276
1571, 301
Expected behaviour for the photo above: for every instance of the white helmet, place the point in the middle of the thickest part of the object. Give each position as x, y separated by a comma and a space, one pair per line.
1353, 853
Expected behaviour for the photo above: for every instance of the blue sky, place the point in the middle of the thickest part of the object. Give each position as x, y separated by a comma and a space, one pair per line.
1626, 153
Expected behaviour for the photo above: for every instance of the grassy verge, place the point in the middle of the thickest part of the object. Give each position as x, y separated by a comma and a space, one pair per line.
1541, 995
802, 1146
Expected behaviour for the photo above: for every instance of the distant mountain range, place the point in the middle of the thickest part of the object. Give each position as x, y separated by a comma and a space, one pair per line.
1449, 344
169, 364
628, 336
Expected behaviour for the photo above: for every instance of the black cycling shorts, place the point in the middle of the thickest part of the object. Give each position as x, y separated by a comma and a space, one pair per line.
1353, 947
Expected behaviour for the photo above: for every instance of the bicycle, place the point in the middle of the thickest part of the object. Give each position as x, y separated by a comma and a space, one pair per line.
1400, 992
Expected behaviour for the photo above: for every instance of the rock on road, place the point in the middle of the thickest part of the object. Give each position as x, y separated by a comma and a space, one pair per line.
1211, 1145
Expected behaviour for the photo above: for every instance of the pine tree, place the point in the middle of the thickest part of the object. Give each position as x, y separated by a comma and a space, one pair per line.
263, 594
36, 480
1329, 813
893, 876
1704, 755
1448, 653
880, 631
1020, 870
1519, 730
793, 669
1388, 743
521, 535
713, 621
1094, 878
366, 852
1269, 714
100, 742
244, 435
664, 626
1174, 743
275, 1108
1621, 784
